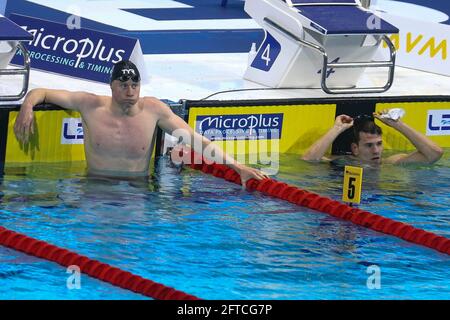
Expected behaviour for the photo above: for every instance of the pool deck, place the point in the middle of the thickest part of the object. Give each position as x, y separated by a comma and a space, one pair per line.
196, 76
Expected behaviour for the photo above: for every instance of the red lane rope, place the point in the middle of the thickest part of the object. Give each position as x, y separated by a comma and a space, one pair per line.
337, 209
93, 268
270, 187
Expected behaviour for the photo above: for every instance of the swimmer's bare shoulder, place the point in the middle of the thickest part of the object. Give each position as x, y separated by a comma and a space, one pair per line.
155, 106
86, 101
165, 118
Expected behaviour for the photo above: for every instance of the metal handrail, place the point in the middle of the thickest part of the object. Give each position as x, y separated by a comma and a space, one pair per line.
25, 72
373, 64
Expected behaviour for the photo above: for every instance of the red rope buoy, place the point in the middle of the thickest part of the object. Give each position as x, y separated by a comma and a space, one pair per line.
337, 209
93, 268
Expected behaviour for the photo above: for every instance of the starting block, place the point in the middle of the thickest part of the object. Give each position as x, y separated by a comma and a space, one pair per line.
11, 37
318, 44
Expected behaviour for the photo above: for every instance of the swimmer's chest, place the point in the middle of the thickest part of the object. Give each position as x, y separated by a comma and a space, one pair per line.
130, 136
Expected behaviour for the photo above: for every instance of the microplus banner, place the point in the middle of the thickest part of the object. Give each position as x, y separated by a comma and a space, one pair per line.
80, 53
240, 126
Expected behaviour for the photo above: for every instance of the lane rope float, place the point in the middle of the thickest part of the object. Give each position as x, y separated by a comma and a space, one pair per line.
335, 208
93, 268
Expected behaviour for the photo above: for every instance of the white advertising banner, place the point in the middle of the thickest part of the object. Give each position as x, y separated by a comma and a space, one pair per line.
421, 45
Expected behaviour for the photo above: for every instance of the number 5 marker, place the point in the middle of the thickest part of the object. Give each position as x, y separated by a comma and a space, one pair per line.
352, 184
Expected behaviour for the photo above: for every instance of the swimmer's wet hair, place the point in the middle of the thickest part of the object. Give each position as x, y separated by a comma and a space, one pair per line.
367, 126
125, 70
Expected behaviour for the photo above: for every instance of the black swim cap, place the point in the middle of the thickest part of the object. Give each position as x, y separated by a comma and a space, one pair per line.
125, 70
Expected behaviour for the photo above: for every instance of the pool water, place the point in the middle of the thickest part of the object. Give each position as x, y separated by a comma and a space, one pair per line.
209, 238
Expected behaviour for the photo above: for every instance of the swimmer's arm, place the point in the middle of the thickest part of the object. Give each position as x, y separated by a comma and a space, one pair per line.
24, 125
317, 151
62, 98
427, 150
174, 125
414, 157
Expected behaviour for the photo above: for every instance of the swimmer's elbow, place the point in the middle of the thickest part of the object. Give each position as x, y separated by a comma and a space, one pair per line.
36, 92
305, 157
34, 97
308, 157
438, 152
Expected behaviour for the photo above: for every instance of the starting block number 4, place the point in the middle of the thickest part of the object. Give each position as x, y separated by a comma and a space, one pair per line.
267, 54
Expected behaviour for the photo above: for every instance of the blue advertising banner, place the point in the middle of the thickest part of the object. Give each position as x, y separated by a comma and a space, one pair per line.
11, 31
265, 126
80, 53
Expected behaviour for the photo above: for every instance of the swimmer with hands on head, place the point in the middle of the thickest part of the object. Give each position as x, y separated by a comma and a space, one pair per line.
367, 145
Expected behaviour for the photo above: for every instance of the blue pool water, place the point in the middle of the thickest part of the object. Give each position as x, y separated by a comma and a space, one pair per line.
209, 238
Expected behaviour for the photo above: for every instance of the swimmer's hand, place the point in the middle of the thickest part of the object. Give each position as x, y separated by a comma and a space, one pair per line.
24, 125
387, 121
180, 152
343, 122
248, 173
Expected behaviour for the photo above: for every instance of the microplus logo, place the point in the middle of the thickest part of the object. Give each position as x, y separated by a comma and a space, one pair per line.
240, 126
80, 48
72, 131
438, 123
81, 53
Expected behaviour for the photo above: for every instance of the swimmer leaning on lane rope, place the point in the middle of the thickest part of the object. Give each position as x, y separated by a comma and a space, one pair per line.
119, 130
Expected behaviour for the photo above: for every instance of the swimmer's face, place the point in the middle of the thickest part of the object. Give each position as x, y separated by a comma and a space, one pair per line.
126, 92
369, 148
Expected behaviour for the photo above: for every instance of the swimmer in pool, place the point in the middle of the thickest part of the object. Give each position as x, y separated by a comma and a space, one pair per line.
367, 145
119, 130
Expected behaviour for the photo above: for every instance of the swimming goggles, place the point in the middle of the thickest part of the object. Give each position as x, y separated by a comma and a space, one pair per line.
125, 78
361, 118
